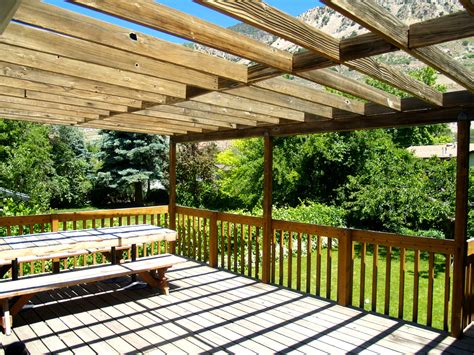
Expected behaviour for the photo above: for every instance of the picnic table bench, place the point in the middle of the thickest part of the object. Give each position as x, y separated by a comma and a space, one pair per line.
16, 292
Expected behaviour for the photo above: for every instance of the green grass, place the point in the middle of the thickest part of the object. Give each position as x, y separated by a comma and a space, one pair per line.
438, 285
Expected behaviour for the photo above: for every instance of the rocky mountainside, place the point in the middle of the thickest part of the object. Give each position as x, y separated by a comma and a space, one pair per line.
330, 21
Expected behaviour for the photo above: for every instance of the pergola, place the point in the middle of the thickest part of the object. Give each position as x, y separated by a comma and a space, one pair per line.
60, 67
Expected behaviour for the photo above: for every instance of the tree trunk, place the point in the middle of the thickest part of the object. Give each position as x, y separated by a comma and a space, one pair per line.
138, 193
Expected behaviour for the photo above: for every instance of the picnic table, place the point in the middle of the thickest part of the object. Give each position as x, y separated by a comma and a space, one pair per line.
55, 245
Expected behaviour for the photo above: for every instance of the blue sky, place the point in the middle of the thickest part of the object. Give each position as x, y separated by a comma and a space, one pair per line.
293, 7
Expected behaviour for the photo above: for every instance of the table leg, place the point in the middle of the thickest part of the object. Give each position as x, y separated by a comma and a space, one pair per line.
56, 266
6, 320
15, 269
134, 258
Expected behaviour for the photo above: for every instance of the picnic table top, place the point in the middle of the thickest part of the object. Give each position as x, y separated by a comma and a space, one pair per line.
43, 244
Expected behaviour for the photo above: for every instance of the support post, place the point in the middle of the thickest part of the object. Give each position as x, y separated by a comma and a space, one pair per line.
54, 223
267, 207
213, 252
172, 193
344, 269
460, 224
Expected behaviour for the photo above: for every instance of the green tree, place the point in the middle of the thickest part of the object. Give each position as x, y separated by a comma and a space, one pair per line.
196, 175
129, 160
27, 165
420, 135
73, 166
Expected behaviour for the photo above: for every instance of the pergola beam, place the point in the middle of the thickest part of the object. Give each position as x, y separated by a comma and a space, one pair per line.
70, 23
45, 77
7, 11
378, 20
290, 88
87, 52
342, 83
24, 85
441, 29
399, 119
259, 14
272, 20
468, 5
166, 19
67, 66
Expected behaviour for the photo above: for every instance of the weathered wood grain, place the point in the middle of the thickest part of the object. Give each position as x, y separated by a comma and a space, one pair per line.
167, 19
7, 11
73, 24
263, 16
441, 29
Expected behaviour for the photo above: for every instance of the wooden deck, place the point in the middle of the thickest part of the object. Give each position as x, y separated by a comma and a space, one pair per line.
214, 311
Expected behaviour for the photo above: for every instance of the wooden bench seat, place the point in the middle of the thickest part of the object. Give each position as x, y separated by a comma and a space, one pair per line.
151, 270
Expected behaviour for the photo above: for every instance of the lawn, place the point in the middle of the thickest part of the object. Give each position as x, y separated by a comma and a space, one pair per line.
438, 285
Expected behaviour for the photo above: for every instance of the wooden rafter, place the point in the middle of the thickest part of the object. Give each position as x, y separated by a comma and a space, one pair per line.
35, 75
56, 19
163, 18
288, 87
342, 83
273, 20
7, 11
442, 29
399, 119
240, 103
241, 113
379, 20
87, 52
66, 66
468, 5
22, 85
278, 99
253, 16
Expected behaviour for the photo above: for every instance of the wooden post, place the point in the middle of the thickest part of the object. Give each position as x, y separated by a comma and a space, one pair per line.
172, 193
460, 224
54, 223
213, 250
267, 207
344, 269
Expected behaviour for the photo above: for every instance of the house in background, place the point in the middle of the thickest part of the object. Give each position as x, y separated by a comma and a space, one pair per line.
443, 151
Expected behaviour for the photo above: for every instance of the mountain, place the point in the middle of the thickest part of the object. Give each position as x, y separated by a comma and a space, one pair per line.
330, 21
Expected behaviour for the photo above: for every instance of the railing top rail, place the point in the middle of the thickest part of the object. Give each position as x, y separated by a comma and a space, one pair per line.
308, 228
81, 215
444, 246
95, 214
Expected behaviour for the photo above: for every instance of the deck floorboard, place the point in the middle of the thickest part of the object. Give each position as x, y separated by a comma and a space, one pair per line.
214, 311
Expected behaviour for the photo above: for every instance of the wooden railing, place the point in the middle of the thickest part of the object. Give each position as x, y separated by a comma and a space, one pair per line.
401, 276
405, 277
468, 309
21, 225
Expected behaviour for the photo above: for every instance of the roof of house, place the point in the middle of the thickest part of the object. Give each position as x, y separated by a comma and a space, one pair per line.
438, 150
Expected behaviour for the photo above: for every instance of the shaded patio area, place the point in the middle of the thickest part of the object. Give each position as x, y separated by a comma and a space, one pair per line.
210, 310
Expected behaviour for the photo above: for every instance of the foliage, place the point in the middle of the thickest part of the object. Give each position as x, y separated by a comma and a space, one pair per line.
12, 207
420, 135
241, 178
308, 212
27, 165
129, 160
49, 163
196, 174
72, 163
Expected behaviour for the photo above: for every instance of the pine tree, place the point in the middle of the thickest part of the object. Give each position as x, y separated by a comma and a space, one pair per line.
130, 160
